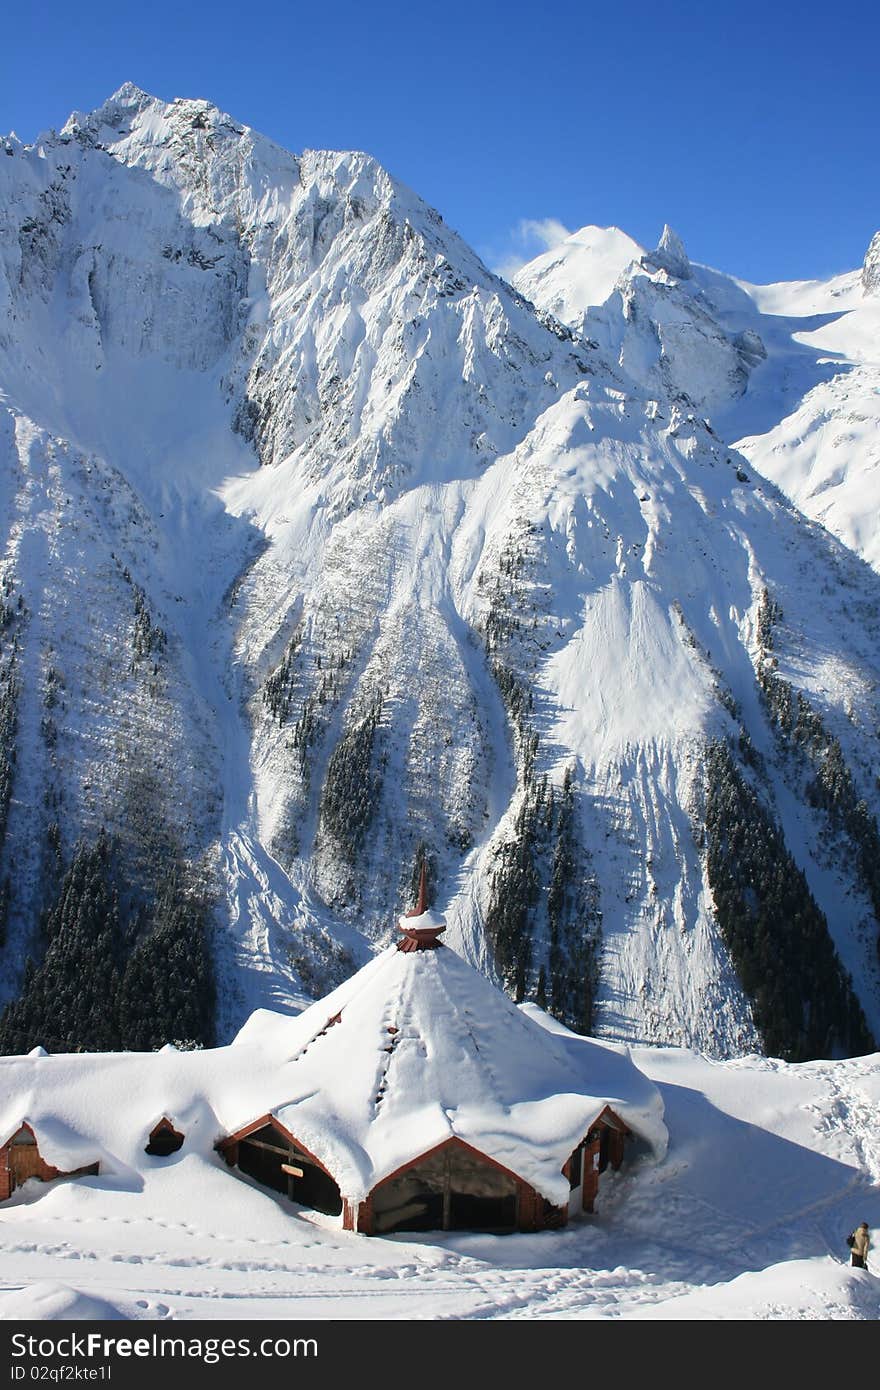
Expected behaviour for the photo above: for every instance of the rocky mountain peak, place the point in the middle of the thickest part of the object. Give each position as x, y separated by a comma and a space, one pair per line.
670, 255
126, 103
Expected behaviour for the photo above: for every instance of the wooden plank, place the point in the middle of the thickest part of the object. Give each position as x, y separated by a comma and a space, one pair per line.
277, 1149
294, 1172
261, 1144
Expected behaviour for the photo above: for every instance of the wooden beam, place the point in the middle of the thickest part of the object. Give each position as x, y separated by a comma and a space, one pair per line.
273, 1148
285, 1152
294, 1172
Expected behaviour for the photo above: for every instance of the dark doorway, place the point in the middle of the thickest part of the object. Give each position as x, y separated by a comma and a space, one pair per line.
576, 1167
604, 1145
481, 1196
260, 1155
275, 1161
452, 1189
315, 1189
412, 1201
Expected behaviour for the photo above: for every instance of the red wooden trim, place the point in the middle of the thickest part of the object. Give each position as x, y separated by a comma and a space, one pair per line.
455, 1141
617, 1124
239, 1134
242, 1133
617, 1121
23, 1124
365, 1217
162, 1125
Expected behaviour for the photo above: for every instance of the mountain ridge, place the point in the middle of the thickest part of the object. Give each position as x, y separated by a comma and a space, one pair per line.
434, 573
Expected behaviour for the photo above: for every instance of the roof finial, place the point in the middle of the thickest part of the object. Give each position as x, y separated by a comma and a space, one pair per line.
421, 905
421, 937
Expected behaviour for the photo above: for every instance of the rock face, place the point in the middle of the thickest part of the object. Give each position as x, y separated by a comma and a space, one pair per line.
871, 267
326, 552
670, 255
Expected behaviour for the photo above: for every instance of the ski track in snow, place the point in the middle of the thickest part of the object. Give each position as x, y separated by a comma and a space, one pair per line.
282, 1280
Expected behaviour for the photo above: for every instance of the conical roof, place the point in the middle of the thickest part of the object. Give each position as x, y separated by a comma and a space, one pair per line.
418, 1047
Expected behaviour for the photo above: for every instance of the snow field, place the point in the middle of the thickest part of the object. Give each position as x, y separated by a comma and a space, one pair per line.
769, 1167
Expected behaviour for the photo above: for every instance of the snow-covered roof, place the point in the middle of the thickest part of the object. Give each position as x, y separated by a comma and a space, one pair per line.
60, 1146
413, 1049
418, 1047
429, 920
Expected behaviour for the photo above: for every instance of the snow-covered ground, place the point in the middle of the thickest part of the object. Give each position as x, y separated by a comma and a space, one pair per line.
769, 1167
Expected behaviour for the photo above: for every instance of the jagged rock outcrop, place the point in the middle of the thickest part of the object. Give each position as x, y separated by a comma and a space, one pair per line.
669, 255
871, 267
647, 313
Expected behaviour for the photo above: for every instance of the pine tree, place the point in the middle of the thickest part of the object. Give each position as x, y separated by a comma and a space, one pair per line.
70, 1001
353, 784
168, 990
802, 999
106, 983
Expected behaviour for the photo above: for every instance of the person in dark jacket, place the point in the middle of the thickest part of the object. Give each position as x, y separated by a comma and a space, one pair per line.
861, 1244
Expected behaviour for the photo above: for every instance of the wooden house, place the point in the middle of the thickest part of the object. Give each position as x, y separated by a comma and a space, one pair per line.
420, 1097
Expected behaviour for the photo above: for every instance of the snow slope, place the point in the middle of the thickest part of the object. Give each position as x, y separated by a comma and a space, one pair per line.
802, 403
769, 1166
580, 273
413, 546
648, 310
810, 418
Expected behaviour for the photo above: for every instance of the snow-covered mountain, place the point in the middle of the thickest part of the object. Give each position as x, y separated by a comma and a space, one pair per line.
789, 373
325, 548
811, 417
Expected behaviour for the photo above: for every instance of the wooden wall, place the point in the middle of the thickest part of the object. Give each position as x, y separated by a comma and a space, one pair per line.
21, 1161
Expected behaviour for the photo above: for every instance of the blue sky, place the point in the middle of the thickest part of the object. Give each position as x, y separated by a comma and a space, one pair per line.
751, 128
